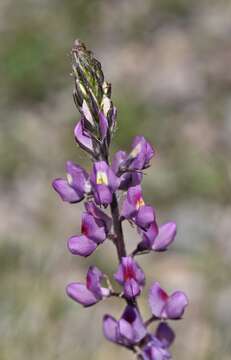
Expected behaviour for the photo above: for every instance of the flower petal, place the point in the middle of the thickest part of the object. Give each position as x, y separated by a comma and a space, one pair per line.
132, 316
81, 245
149, 237
128, 210
117, 160
145, 216
165, 334
77, 177
157, 299
142, 152
83, 138
176, 305
131, 289
113, 180
126, 330
99, 214
93, 281
102, 194
65, 191
119, 275
81, 294
130, 179
165, 237
110, 328
93, 228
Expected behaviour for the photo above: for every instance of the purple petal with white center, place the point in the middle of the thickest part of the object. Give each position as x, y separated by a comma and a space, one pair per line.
165, 237
65, 191
81, 294
104, 182
83, 138
165, 334
145, 216
138, 153
103, 125
157, 300
176, 305
81, 245
142, 152
93, 228
77, 177
99, 167
118, 158
110, 328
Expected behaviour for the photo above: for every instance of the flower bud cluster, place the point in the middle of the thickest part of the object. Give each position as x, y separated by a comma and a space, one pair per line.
99, 189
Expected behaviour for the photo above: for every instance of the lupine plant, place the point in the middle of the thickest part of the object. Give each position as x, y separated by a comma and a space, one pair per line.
112, 194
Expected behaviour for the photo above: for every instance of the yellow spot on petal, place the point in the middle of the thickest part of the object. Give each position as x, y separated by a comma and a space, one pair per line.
136, 150
140, 203
101, 178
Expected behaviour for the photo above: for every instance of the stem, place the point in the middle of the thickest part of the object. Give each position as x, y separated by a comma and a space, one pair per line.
149, 321
119, 238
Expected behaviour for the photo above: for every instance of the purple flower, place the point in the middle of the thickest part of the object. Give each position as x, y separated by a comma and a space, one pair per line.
157, 239
104, 182
141, 154
166, 306
93, 210
154, 350
95, 228
131, 276
93, 133
156, 345
75, 186
83, 138
127, 178
90, 293
165, 334
127, 331
135, 209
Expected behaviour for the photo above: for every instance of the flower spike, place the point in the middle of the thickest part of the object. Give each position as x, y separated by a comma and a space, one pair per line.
112, 193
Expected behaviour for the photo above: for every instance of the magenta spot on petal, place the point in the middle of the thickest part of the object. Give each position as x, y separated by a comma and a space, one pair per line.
128, 273
89, 281
163, 295
84, 229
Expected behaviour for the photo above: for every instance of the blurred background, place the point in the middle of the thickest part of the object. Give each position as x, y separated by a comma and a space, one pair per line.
169, 63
